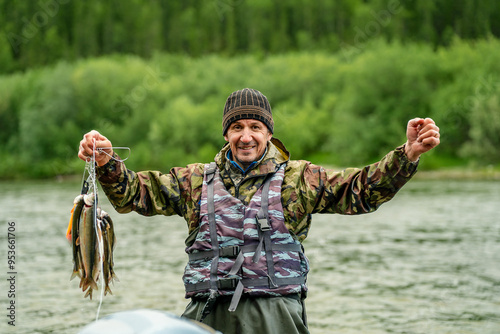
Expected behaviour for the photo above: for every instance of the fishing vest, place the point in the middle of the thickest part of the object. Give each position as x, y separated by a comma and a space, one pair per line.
243, 249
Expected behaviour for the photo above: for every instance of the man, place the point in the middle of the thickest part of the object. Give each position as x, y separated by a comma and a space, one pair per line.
249, 211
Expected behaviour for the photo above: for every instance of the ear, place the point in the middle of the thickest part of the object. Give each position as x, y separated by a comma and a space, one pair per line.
269, 135
225, 137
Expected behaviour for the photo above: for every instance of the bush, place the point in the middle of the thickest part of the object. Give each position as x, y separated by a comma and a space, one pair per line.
169, 109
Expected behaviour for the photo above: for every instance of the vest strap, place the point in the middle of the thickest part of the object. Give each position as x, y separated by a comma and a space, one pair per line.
213, 228
210, 173
236, 297
237, 264
265, 233
258, 250
233, 251
232, 283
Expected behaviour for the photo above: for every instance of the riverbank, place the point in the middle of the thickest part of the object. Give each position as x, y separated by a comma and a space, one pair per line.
167, 108
459, 174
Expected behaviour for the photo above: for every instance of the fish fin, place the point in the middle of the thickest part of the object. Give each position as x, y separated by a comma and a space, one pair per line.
70, 225
83, 284
88, 294
74, 274
93, 285
107, 290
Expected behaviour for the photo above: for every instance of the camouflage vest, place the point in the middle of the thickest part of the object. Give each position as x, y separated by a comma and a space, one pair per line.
243, 249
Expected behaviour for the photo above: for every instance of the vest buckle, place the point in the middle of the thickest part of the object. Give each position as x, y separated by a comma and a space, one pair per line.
264, 224
230, 251
227, 284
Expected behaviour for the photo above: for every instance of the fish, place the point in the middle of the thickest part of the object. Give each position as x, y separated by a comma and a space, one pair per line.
73, 233
91, 233
75, 214
109, 245
88, 240
106, 268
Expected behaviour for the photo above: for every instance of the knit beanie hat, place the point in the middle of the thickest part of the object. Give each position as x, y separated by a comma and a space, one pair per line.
244, 104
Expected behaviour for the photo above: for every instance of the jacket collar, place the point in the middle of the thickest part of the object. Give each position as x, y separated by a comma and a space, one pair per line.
252, 164
276, 154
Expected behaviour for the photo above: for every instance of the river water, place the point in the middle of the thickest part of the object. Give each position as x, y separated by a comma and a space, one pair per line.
426, 262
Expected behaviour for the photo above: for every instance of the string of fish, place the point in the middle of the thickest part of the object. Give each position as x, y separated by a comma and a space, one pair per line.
90, 166
91, 233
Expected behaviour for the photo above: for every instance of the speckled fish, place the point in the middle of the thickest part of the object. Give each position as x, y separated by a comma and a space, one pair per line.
92, 236
72, 235
109, 245
88, 244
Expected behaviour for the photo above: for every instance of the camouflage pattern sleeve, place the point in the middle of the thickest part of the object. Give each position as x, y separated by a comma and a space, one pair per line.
151, 192
354, 190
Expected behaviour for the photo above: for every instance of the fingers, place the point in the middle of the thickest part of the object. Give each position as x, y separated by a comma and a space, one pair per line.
422, 135
428, 132
87, 144
428, 135
415, 122
431, 142
94, 139
420, 129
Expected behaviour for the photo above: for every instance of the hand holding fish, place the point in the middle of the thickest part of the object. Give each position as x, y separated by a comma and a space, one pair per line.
90, 229
87, 144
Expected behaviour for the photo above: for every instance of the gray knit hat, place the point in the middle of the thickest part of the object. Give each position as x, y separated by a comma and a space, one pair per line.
244, 104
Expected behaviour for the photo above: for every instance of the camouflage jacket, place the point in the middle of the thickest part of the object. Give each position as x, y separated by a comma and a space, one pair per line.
306, 189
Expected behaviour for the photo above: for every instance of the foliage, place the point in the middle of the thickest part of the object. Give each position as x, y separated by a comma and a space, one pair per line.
327, 109
42, 32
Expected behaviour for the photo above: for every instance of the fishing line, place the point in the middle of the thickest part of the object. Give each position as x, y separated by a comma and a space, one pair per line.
97, 228
101, 254
102, 150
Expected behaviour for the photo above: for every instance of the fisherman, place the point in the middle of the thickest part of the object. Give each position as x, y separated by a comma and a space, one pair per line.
249, 211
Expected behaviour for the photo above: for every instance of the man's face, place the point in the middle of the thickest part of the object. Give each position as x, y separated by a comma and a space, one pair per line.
248, 140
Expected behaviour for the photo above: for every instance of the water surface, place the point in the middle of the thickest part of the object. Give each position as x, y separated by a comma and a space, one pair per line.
426, 262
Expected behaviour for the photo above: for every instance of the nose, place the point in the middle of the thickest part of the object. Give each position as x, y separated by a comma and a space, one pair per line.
246, 136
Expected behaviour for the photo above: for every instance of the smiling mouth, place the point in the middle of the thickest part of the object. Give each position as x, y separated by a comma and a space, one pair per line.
246, 148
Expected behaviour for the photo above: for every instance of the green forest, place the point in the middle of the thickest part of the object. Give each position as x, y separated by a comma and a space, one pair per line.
343, 78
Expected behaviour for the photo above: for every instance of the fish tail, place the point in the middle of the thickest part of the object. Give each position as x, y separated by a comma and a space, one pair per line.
93, 284
107, 290
76, 272
88, 294
84, 284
